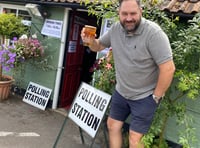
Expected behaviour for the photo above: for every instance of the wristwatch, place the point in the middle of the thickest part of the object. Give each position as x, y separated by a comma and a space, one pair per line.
156, 98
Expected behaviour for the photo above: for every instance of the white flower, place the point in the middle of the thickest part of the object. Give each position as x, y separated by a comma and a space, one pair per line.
24, 36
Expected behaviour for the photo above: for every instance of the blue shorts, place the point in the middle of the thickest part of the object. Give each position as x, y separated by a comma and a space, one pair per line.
141, 111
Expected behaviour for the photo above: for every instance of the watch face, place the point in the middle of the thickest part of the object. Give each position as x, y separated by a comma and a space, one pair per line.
156, 99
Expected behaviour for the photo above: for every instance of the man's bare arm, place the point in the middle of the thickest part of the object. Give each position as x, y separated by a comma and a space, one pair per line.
166, 73
96, 45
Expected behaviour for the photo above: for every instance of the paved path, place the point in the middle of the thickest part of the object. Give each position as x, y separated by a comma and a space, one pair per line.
24, 126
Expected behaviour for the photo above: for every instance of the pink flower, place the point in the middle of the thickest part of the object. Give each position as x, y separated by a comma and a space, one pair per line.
19, 51
108, 66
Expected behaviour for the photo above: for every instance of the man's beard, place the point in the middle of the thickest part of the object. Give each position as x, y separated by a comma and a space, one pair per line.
133, 28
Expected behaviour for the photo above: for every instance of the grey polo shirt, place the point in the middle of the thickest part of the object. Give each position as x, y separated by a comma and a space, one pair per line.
137, 57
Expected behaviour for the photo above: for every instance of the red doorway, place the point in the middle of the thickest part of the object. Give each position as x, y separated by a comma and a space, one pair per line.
77, 59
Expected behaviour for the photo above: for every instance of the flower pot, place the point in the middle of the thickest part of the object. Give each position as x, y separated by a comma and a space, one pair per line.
5, 87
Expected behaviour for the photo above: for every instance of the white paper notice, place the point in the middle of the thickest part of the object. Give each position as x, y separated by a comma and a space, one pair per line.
52, 28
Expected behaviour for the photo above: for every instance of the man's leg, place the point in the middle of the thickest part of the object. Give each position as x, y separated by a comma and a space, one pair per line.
135, 139
142, 113
115, 135
119, 111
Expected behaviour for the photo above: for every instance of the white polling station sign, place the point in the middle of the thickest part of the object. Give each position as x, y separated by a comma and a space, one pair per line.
88, 108
37, 95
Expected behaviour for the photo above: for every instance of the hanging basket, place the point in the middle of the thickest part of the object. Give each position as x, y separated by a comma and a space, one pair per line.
5, 87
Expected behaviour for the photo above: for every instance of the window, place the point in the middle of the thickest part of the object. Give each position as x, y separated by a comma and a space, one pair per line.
18, 10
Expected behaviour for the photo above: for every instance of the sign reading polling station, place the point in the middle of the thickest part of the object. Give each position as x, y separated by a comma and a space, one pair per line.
88, 108
37, 95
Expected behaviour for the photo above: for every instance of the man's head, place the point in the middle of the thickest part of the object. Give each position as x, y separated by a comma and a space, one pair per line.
130, 13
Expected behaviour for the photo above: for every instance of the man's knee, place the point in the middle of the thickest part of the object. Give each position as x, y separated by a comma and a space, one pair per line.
135, 139
114, 125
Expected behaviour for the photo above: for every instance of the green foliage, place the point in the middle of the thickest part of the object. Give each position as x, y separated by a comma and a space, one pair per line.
186, 136
189, 82
11, 26
186, 49
102, 8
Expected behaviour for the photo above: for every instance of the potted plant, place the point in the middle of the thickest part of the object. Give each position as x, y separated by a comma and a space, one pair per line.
11, 56
11, 26
13, 52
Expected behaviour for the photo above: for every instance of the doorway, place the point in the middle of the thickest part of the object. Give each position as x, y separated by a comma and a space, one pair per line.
78, 58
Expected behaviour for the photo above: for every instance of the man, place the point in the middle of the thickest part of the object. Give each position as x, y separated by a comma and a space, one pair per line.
144, 71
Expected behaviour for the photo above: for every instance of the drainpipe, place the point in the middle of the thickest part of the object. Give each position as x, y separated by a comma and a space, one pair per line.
61, 58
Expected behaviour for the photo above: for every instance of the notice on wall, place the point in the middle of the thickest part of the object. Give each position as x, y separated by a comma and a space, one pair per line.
88, 108
72, 46
52, 28
106, 25
37, 95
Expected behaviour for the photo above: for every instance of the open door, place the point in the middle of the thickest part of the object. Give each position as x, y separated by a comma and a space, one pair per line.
74, 60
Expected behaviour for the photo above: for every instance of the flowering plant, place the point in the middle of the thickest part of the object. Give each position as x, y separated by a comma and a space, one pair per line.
104, 72
18, 52
29, 48
7, 57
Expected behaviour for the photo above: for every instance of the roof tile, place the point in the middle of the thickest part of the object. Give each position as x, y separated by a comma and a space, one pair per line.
183, 6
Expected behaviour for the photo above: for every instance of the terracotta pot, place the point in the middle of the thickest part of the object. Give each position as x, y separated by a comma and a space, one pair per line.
5, 87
